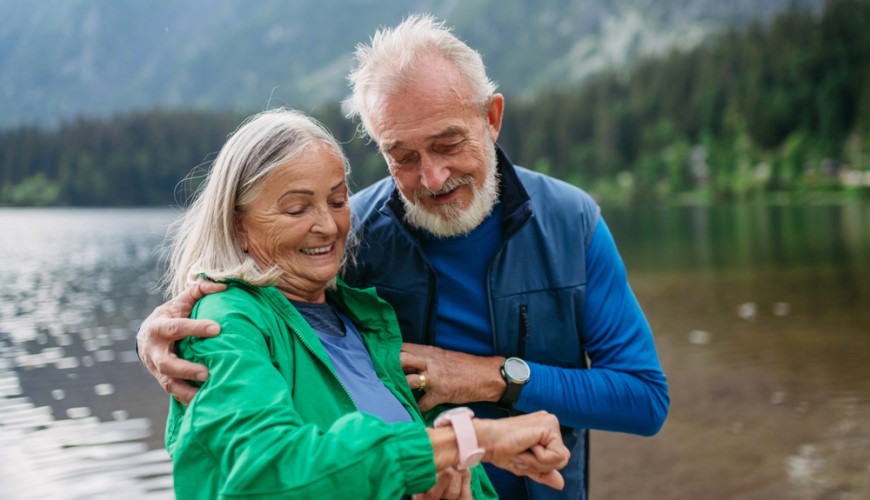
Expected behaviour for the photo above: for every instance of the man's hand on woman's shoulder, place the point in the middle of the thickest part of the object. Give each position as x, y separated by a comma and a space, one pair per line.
168, 324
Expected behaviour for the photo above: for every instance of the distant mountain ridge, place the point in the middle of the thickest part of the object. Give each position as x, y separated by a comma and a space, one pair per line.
60, 59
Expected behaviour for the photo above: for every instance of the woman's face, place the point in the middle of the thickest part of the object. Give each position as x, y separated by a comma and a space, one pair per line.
299, 221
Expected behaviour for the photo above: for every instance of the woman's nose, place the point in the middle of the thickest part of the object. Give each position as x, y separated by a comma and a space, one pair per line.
325, 223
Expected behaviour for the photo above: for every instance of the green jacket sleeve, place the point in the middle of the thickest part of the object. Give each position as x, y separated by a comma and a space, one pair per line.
242, 434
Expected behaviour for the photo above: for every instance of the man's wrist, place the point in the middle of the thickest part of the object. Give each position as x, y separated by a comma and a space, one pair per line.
516, 373
495, 384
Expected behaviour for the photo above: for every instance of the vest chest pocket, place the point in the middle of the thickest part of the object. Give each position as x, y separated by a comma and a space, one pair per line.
542, 326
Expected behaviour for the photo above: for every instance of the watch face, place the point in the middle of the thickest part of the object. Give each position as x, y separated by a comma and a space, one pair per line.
517, 370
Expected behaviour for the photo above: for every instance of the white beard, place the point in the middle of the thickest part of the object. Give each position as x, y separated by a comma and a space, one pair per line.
450, 220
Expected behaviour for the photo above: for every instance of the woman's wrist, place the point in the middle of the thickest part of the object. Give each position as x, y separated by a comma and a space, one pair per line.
483, 428
444, 448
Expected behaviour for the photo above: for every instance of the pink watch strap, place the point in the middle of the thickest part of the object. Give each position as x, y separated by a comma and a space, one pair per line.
466, 439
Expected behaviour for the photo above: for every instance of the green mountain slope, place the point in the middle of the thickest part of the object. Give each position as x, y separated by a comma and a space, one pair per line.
60, 59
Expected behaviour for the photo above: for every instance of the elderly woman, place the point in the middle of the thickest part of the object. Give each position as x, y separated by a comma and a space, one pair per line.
306, 397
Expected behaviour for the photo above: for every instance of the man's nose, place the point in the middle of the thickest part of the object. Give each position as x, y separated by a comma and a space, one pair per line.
434, 172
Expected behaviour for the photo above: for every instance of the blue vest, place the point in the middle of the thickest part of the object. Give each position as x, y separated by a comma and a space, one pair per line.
536, 283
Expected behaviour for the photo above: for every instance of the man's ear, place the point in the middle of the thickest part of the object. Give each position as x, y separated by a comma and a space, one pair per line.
494, 114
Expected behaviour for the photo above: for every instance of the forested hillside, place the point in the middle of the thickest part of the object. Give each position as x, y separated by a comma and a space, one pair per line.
771, 109
62, 59
778, 108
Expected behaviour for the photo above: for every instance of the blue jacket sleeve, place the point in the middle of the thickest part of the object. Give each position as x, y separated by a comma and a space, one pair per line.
625, 389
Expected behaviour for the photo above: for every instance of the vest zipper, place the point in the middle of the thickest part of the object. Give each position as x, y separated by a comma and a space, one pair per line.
524, 331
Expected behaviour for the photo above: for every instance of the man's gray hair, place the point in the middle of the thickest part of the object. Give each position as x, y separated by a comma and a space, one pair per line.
204, 239
387, 64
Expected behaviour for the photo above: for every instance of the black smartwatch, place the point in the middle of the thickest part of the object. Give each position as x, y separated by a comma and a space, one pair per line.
516, 373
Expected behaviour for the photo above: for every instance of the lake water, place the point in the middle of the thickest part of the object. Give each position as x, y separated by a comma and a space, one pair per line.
760, 313
762, 322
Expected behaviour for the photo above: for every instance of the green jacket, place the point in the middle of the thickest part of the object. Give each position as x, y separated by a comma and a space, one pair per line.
274, 421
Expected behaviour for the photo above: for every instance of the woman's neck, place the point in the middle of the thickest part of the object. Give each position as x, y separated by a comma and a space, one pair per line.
318, 296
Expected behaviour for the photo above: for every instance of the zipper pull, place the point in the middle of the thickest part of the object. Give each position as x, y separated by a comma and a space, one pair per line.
524, 331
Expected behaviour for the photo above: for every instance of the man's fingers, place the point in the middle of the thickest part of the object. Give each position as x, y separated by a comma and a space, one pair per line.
427, 402
413, 348
183, 303
179, 328
411, 363
174, 374
179, 389
204, 287
174, 367
415, 381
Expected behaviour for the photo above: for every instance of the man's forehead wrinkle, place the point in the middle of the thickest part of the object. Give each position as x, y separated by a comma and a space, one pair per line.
450, 131
396, 124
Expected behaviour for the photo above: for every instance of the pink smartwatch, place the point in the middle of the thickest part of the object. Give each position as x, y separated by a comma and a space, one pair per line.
466, 439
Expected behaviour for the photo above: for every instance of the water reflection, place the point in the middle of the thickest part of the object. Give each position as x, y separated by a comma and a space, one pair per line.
760, 315
743, 236
762, 324
78, 417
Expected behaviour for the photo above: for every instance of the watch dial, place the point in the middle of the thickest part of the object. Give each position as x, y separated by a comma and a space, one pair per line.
517, 370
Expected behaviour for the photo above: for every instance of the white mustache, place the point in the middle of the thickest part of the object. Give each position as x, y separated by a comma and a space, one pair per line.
449, 185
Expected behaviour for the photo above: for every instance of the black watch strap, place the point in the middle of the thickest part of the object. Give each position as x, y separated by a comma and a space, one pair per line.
511, 395
515, 372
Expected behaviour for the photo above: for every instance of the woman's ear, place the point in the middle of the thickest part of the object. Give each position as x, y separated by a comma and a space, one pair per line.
241, 232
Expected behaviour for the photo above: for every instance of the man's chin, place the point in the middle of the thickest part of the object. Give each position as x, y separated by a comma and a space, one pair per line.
446, 222
450, 219
446, 230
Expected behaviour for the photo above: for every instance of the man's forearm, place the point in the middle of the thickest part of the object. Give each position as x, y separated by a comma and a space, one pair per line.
600, 399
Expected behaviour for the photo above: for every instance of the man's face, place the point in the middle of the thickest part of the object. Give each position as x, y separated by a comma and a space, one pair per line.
440, 149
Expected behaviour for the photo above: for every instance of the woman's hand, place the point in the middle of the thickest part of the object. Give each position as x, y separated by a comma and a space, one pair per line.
168, 324
526, 445
452, 484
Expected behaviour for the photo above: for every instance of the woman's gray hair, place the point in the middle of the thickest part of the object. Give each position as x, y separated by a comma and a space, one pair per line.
204, 239
386, 65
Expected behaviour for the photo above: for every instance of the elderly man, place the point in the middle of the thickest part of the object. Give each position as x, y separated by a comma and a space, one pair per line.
510, 293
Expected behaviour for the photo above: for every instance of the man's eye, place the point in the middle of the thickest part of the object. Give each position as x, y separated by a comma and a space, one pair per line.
449, 148
405, 161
